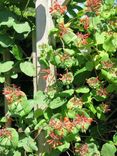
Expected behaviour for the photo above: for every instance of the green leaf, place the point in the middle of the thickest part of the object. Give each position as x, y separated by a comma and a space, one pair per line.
6, 18
17, 153
99, 38
111, 88
41, 124
108, 150
28, 144
82, 89
5, 40
22, 27
66, 93
115, 139
70, 37
57, 102
94, 22
63, 147
71, 114
108, 45
6, 66
104, 56
17, 52
2, 79
109, 77
15, 137
56, 60
38, 113
28, 68
27, 131
109, 2
69, 51
70, 137
80, 71
81, 75
41, 100
14, 75
92, 150
89, 65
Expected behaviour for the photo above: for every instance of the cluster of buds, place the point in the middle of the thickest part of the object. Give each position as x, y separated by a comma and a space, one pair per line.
107, 64
75, 103
85, 21
61, 124
93, 82
56, 124
82, 150
54, 140
102, 92
66, 78
82, 38
57, 8
63, 29
13, 93
105, 107
82, 120
93, 5
64, 125
113, 23
5, 133
64, 57
68, 125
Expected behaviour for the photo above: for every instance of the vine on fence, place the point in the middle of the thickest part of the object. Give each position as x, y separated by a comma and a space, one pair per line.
77, 112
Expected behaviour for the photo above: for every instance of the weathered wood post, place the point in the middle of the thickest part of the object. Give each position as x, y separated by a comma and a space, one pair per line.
44, 24
6, 57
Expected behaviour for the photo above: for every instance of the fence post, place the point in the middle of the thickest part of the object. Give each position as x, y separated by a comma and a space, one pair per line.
6, 57
43, 25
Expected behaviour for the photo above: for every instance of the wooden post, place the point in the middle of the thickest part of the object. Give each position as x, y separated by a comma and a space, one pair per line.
6, 57
34, 60
44, 24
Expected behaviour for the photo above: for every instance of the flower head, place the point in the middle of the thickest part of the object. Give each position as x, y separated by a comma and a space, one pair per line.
85, 21
75, 102
54, 140
93, 82
5, 133
82, 38
82, 120
93, 5
67, 124
102, 92
57, 8
67, 78
56, 124
82, 150
13, 93
107, 64
63, 28
105, 107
